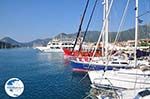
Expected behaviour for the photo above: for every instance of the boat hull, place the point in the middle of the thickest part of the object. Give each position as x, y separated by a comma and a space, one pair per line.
49, 50
85, 66
76, 53
122, 78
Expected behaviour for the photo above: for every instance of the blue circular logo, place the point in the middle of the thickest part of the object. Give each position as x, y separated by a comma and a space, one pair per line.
14, 87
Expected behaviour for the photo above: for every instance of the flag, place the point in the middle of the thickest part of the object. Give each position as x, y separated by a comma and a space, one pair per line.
140, 21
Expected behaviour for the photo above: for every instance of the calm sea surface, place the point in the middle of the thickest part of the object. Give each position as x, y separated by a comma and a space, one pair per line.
45, 75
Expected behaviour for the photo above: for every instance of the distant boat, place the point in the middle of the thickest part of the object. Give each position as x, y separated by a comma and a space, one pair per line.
56, 45
52, 46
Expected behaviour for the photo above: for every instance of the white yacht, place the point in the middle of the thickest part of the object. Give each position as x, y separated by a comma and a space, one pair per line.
53, 46
56, 45
68, 44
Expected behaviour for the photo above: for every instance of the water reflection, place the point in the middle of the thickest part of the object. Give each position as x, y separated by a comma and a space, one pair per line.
50, 56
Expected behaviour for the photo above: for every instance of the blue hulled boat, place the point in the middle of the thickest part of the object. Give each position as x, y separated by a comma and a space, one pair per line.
100, 65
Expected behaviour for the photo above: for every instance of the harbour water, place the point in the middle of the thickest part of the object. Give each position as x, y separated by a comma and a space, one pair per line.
45, 75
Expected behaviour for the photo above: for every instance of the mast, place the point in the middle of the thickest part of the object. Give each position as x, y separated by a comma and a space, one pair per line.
80, 26
136, 31
106, 27
103, 36
105, 33
87, 27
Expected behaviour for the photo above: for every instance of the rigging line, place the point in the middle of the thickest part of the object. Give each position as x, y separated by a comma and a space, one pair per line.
91, 16
144, 13
103, 28
122, 20
83, 77
117, 95
80, 26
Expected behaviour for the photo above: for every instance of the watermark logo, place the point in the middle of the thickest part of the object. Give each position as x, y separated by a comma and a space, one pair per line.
14, 87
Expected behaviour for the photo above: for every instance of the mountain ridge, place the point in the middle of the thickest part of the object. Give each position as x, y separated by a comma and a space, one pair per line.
91, 36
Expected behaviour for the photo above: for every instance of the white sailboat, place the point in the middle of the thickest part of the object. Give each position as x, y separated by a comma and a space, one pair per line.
128, 82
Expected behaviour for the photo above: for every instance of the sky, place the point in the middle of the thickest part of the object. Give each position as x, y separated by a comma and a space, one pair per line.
27, 20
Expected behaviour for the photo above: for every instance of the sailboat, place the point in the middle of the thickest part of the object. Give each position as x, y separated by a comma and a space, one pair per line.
108, 61
123, 83
126, 83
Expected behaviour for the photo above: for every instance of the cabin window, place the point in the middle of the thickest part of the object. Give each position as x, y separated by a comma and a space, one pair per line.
52, 47
123, 63
57, 48
144, 93
115, 62
70, 44
114, 59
